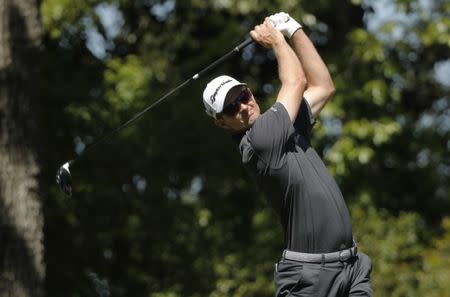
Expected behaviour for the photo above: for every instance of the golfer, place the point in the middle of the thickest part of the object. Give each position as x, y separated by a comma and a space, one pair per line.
320, 256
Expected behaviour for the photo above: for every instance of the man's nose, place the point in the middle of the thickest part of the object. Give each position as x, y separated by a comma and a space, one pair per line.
243, 106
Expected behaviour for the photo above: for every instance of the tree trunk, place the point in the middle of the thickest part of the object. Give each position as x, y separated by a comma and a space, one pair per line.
22, 267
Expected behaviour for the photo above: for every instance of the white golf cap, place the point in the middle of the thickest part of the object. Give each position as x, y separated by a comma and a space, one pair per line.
215, 93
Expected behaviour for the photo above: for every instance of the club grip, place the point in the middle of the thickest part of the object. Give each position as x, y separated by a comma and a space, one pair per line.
245, 43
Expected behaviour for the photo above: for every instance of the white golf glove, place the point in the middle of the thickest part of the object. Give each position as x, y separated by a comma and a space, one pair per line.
285, 24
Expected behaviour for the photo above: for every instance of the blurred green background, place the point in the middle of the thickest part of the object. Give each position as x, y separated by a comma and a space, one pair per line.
165, 208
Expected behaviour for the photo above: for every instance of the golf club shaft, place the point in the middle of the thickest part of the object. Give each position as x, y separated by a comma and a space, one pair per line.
138, 115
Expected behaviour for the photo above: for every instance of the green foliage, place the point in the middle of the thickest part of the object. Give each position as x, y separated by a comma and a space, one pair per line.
165, 209
62, 16
395, 246
433, 279
126, 82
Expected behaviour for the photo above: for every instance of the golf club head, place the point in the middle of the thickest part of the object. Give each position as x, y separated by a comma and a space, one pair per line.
64, 179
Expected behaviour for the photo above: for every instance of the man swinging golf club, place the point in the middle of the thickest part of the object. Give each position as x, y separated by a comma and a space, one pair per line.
320, 256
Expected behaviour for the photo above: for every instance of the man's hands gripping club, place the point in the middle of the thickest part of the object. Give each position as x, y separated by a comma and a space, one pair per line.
266, 34
285, 24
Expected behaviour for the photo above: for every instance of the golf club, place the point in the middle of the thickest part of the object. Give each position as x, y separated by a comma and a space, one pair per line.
63, 176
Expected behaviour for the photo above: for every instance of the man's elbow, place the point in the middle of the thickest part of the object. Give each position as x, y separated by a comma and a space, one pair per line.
302, 82
330, 90
326, 88
298, 82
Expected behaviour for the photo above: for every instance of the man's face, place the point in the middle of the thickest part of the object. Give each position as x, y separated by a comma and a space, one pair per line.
243, 110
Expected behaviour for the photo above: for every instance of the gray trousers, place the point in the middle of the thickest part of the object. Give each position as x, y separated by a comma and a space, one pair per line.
349, 278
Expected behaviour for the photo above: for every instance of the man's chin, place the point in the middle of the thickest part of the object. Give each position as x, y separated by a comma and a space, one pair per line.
248, 124
251, 119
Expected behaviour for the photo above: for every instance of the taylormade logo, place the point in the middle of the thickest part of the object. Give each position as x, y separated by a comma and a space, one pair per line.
213, 96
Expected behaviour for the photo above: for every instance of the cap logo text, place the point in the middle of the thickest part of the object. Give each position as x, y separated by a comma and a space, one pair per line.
213, 96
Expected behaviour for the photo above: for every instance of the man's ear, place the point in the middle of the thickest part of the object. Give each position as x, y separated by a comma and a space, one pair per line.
221, 123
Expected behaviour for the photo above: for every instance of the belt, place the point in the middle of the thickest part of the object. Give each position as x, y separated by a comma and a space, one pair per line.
342, 256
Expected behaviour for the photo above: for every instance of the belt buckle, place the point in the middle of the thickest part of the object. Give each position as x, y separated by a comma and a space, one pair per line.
341, 257
351, 253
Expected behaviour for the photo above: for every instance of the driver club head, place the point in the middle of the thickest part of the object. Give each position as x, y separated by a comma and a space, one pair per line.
64, 179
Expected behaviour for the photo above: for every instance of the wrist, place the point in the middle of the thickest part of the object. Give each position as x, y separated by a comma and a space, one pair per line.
280, 46
293, 27
297, 29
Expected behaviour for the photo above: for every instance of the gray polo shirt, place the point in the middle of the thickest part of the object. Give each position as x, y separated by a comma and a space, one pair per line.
312, 211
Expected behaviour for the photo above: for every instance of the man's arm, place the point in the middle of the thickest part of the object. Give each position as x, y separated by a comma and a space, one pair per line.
290, 71
320, 85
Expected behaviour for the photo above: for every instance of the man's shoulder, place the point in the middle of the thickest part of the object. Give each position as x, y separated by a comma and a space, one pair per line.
245, 148
275, 108
269, 122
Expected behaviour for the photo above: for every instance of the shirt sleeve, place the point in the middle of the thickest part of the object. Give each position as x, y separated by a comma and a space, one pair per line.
270, 134
305, 120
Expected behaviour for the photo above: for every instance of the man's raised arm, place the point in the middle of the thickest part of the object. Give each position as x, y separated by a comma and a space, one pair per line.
290, 70
320, 85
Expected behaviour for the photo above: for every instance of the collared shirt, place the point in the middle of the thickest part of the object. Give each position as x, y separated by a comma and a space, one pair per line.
311, 208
